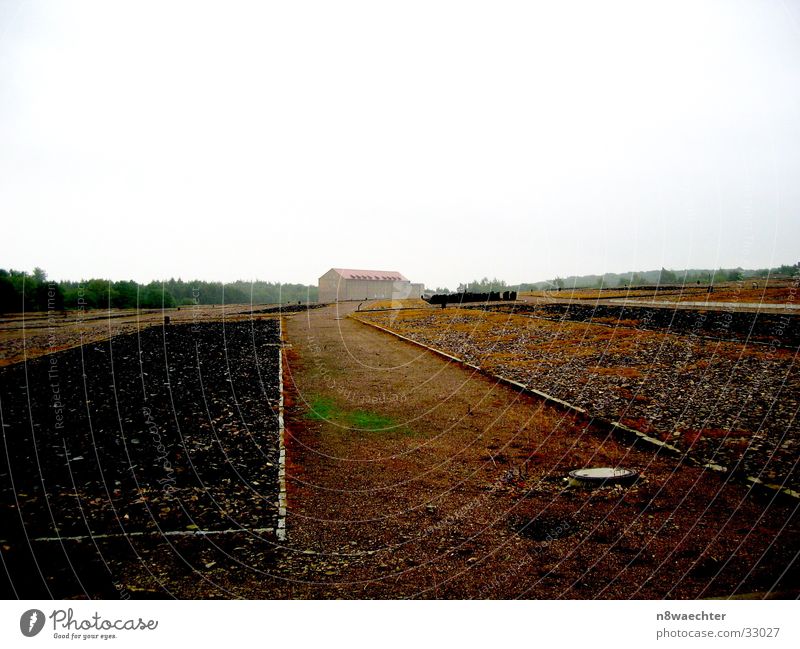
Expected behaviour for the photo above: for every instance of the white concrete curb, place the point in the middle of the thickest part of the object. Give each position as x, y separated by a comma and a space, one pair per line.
136, 534
280, 533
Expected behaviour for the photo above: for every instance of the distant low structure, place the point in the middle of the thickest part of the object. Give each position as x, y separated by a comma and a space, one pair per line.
342, 284
463, 298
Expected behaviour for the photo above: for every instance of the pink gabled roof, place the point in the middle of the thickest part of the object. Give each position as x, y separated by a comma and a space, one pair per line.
385, 275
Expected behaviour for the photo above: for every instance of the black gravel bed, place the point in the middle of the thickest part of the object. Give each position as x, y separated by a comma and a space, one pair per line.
288, 308
781, 329
141, 446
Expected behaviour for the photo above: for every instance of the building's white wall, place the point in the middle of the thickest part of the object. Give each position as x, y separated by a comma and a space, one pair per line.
328, 285
333, 288
361, 289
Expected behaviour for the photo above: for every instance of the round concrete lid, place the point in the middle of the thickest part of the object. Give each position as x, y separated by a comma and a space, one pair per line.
602, 475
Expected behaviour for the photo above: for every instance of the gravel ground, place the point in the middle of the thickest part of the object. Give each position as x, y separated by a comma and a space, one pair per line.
408, 476
172, 431
730, 404
778, 329
29, 335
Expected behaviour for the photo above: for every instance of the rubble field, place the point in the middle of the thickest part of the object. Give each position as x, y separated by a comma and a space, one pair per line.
730, 404
28, 335
145, 450
769, 329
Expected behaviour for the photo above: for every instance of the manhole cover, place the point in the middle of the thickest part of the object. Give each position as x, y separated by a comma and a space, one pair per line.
600, 476
544, 529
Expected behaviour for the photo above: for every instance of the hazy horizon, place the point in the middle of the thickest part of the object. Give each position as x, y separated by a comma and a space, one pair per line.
177, 277
448, 141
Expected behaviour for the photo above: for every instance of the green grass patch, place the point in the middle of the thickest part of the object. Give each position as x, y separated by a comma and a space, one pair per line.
370, 420
322, 409
326, 409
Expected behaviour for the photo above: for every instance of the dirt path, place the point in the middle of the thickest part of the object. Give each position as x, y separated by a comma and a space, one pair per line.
410, 476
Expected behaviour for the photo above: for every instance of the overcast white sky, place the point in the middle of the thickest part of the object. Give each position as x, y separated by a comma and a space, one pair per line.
446, 140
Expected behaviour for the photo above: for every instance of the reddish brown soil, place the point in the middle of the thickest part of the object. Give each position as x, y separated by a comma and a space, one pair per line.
773, 291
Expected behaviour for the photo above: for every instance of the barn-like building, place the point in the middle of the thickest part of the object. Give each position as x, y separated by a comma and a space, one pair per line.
340, 284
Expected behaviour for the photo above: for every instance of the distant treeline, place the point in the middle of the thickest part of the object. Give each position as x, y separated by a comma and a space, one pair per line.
619, 280
704, 276
22, 291
484, 285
